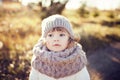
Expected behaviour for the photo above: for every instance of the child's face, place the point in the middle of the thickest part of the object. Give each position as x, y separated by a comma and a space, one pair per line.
57, 40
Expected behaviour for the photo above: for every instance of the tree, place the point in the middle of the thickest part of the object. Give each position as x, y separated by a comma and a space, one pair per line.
54, 8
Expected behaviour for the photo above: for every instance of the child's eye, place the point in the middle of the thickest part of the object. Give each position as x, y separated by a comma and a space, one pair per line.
50, 35
62, 35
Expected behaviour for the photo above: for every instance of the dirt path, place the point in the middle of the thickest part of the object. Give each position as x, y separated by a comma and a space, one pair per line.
115, 45
104, 64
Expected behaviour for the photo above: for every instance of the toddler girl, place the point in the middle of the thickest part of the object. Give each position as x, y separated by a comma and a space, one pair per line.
57, 56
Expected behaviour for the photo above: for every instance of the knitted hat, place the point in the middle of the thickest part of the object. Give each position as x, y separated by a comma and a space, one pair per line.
56, 21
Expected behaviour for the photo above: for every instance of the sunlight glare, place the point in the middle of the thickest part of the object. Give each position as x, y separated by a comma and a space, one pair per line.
73, 4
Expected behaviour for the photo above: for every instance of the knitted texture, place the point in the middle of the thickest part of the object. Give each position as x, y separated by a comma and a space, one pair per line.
58, 64
56, 21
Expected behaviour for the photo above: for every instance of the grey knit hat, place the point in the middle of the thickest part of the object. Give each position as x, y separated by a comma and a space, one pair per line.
56, 21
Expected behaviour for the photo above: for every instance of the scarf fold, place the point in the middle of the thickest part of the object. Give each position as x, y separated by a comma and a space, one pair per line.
59, 64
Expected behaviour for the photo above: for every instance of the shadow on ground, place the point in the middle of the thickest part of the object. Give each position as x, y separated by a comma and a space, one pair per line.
103, 61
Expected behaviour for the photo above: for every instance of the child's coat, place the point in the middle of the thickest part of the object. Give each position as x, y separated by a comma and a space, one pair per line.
81, 75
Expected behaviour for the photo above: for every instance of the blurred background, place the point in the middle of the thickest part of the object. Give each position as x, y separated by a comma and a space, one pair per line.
96, 22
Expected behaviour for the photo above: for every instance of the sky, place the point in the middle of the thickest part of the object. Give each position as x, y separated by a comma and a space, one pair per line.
100, 4
75, 4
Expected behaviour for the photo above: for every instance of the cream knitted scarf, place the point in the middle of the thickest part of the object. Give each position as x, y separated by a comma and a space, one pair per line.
59, 64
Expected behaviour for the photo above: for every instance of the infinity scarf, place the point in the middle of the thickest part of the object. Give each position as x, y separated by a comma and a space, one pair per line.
58, 64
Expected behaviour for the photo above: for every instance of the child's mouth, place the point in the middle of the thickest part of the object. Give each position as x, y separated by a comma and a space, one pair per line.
56, 45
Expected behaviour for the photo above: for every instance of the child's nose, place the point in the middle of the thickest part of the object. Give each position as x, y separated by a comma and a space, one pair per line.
56, 38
